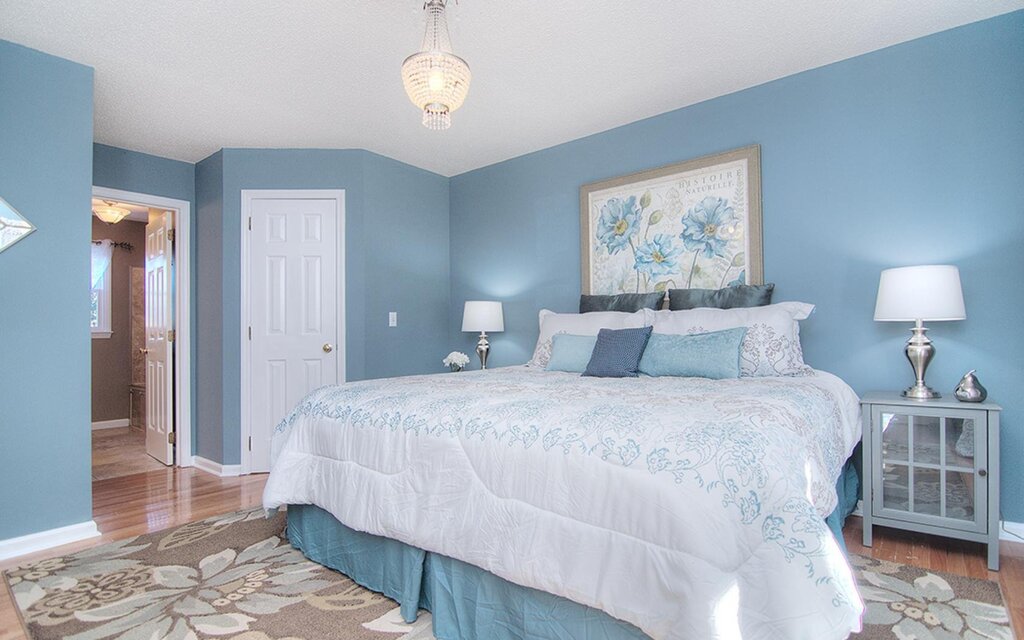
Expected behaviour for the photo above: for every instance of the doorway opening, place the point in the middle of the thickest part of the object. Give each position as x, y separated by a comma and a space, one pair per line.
139, 288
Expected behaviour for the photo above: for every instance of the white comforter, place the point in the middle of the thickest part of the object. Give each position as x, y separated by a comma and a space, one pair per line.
690, 508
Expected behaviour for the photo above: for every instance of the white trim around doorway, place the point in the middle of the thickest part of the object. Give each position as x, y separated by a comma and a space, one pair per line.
183, 455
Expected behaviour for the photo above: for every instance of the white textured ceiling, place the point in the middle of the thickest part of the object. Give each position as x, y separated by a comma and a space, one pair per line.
182, 79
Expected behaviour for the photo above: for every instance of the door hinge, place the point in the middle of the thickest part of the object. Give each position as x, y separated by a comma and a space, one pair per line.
171, 335
250, 333
250, 223
171, 235
250, 443
171, 439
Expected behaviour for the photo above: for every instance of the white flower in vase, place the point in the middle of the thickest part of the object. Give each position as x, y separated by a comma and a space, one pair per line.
456, 361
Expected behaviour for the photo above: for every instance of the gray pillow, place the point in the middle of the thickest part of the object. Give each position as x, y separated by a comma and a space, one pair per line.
617, 353
741, 295
628, 302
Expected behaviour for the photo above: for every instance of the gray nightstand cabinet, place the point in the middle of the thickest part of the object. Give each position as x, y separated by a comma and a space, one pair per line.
932, 466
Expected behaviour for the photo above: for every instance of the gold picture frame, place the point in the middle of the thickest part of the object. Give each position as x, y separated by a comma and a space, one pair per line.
692, 224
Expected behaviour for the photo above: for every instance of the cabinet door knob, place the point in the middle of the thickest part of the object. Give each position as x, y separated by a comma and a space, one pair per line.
982, 473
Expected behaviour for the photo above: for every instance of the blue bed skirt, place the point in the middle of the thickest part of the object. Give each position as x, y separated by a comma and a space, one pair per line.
468, 603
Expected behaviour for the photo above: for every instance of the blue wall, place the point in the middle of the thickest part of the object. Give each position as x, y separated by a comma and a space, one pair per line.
209, 418
143, 173
116, 168
913, 154
45, 344
396, 245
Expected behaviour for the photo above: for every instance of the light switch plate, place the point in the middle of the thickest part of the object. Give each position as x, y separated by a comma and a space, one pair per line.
392, 318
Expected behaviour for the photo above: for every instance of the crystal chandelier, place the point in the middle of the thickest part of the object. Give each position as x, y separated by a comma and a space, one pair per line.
111, 214
436, 79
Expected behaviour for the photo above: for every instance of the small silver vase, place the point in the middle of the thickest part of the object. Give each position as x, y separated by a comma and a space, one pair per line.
970, 389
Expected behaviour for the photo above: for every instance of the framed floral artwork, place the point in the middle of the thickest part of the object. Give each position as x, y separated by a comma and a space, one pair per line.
695, 224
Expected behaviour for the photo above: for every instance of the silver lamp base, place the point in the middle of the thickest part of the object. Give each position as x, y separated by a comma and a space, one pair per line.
483, 347
920, 352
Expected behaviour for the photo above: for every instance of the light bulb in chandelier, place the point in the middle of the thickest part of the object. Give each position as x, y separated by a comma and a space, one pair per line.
435, 79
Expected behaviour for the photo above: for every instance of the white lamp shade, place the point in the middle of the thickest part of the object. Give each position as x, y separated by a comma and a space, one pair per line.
482, 315
930, 292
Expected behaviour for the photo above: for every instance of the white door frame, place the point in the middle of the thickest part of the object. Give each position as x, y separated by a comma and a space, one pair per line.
248, 195
183, 455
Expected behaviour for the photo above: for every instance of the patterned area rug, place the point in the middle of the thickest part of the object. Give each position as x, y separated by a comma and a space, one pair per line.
233, 576
236, 577
907, 603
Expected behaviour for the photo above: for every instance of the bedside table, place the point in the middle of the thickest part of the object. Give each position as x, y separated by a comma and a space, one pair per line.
932, 466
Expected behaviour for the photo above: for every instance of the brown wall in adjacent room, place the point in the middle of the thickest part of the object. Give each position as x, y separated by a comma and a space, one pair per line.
112, 357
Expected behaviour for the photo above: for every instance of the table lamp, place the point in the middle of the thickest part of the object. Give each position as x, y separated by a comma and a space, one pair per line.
916, 294
482, 316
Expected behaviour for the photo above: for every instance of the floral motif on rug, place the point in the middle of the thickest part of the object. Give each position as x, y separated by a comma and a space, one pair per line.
232, 576
908, 603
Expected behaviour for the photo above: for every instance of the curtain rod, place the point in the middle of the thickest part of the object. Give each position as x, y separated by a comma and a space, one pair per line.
127, 246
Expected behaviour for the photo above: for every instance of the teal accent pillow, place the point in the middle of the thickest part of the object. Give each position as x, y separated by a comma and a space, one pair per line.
570, 353
628, 302
740, 295
617, 353
714, 355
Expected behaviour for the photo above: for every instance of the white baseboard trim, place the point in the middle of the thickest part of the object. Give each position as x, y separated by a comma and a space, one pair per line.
216, 468
33, 542
1011, 530
112, 424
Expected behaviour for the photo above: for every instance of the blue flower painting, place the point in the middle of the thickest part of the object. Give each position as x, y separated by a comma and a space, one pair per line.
684, 226
619, 222
658, 257
706, 227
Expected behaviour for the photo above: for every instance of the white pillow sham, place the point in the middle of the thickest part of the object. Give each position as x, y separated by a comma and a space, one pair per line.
771, 346
580, 324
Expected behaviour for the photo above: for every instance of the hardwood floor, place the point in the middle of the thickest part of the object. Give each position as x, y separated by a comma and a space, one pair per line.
121, 452
142, 503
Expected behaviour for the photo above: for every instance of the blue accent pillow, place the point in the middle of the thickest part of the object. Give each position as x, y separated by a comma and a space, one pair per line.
617, 353
570, 353
714, 355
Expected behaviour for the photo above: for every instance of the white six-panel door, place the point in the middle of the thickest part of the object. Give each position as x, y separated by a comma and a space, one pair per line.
159, 347
293, 308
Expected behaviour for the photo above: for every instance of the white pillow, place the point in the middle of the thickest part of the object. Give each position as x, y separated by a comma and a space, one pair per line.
579, 324
771, 346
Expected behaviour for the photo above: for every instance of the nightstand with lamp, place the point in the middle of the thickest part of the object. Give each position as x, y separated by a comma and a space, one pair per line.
931, 465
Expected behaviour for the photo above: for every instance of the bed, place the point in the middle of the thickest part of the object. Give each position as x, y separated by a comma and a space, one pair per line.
517, 499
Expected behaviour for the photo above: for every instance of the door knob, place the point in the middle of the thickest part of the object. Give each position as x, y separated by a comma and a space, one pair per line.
143, 351
328, 347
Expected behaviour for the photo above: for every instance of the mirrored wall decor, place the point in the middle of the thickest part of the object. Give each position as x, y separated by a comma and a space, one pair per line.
13, 225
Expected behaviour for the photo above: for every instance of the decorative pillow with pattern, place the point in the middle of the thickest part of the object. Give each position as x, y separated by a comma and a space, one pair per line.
771, 346
617, 353
580, 324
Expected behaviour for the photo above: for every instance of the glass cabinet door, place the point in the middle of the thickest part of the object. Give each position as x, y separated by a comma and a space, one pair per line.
930, 466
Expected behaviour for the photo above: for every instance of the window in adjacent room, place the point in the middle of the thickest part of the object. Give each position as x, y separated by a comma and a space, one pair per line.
99, 316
